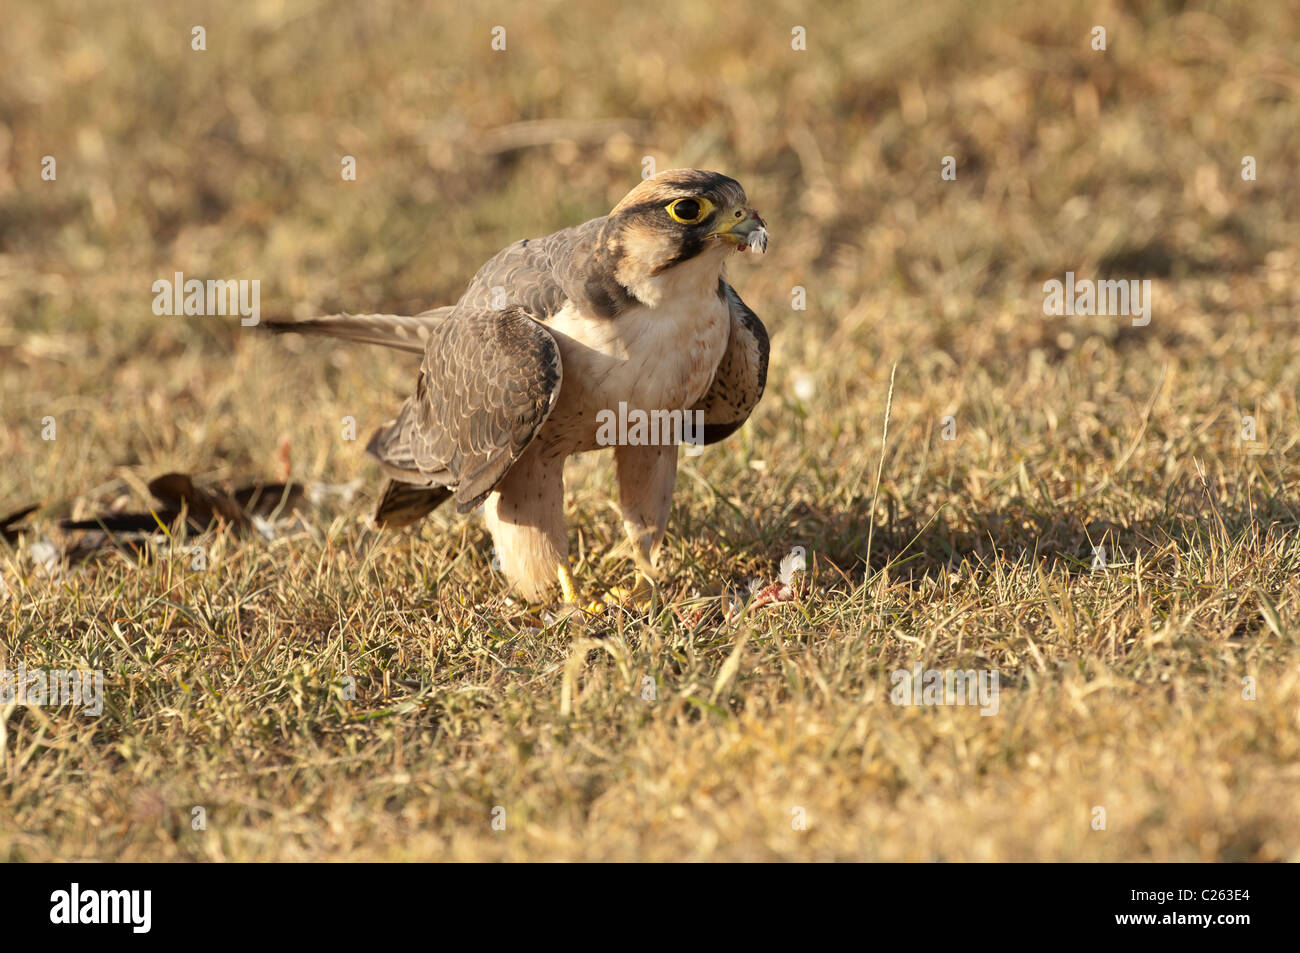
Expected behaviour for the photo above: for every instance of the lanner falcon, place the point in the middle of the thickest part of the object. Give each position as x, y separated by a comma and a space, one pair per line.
632, 311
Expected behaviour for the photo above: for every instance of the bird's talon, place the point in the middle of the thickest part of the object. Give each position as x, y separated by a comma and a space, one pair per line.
637, 597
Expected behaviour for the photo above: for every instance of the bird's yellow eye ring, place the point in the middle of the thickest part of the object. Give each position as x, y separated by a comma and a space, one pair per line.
689, 211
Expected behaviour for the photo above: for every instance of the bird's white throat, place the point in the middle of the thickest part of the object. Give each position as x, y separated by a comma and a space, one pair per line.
692, 278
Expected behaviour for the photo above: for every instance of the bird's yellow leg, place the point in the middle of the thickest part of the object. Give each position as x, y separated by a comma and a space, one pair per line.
647, 575
570, 593
566, 586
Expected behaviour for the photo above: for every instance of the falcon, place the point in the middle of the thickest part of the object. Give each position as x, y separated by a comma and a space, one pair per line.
628, 312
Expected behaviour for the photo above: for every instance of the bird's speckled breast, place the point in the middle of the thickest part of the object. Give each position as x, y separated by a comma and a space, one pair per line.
661, 358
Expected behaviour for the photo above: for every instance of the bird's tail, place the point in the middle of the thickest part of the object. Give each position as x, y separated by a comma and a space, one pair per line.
398, 331
401, 504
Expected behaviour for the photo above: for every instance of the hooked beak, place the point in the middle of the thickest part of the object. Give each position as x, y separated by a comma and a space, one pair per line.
743, 227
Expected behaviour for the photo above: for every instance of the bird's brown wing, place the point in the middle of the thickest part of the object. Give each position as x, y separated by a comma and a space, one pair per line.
741, 375
487, 384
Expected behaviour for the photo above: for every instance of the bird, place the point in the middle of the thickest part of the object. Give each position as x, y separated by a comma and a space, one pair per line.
631, 312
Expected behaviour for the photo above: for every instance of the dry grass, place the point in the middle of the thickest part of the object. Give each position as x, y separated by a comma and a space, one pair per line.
1121, 688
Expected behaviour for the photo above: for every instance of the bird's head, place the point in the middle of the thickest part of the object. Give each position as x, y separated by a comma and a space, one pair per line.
678, 217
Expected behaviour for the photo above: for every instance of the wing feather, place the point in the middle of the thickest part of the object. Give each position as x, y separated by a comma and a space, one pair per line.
741, 376
487, 384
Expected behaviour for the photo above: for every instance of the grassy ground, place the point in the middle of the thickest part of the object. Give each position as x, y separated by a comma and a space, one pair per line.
1163, 688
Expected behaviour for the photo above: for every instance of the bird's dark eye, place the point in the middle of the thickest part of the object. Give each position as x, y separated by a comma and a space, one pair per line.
689, 211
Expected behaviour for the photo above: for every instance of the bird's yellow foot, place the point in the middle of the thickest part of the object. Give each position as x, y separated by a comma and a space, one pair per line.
637, 597
570, 593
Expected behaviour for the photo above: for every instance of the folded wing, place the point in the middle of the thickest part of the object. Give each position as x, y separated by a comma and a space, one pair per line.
741, 375
486, 385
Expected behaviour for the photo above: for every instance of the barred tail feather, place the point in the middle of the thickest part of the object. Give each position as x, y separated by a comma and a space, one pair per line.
401, 504
397, 331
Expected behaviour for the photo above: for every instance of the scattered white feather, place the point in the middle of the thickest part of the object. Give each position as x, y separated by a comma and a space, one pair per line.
792, 564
